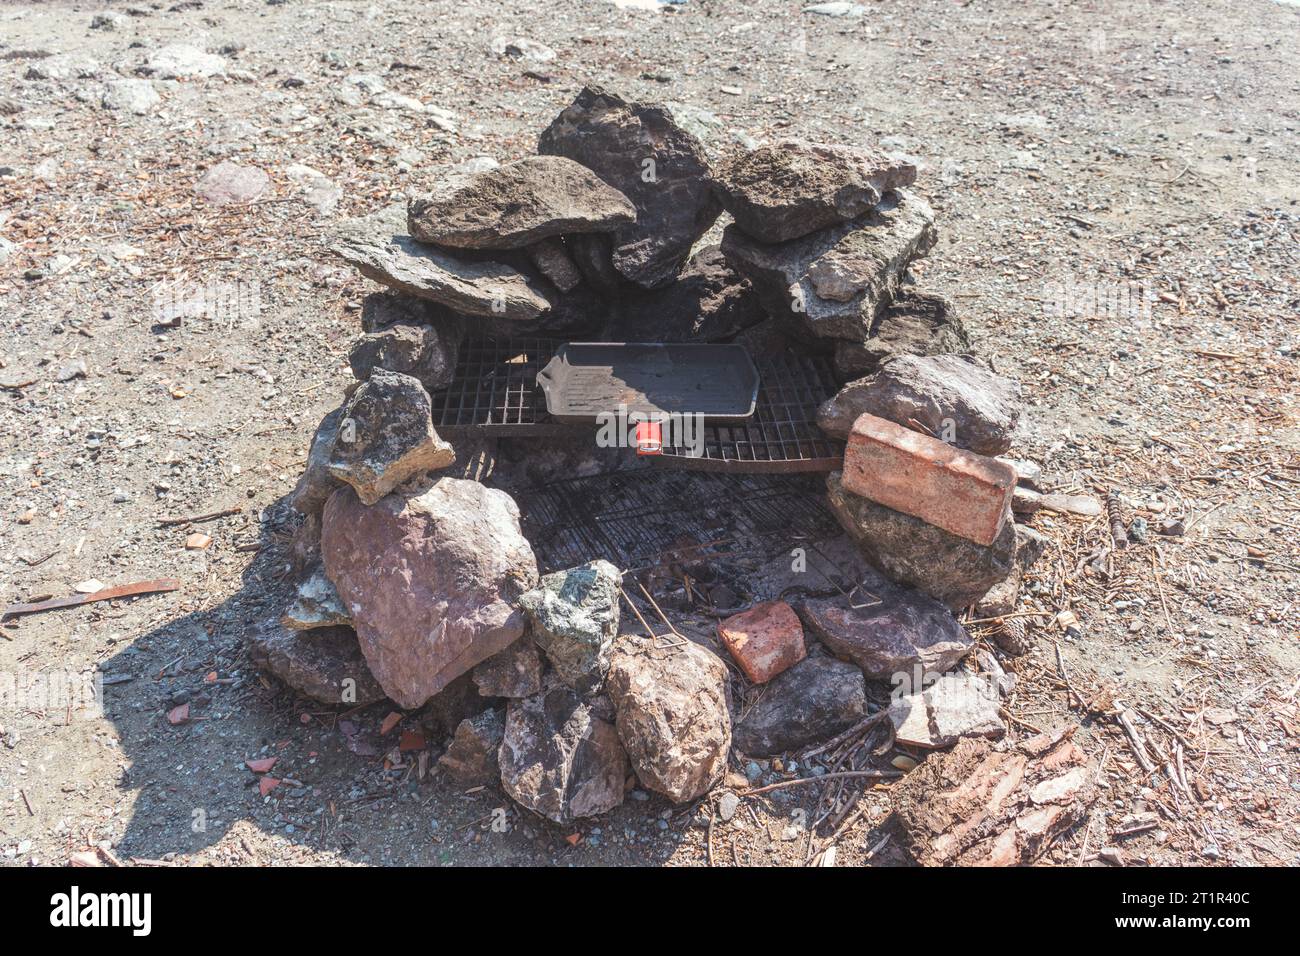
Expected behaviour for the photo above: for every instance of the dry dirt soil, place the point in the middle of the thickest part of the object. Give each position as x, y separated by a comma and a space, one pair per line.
1089, 147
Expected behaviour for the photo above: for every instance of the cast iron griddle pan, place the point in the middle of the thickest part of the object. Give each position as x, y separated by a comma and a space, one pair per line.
586, 379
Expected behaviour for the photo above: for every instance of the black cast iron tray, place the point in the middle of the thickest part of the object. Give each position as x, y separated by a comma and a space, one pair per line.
587, 379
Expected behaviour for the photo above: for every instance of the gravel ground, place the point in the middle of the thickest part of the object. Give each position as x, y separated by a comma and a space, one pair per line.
1141, 156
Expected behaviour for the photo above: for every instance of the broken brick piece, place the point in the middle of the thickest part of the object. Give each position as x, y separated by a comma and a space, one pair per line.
765, 640
959, 491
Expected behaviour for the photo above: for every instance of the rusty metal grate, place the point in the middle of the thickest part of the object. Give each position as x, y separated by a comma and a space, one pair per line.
783, 435
638, 519
495, 392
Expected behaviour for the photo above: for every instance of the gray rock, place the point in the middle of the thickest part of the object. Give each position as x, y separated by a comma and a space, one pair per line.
386, 436
672, 715
180, 61
315, 603
553, 261
324, 663
515, 672
836, 279
424, 351
954, 706
640, 150
316, 483
896, 630
914, 323
945, 396
813, 701
227, 183
109, 21
1001, 598
133, 96
792, 188
559, 759
64, 66
430, 576
316, 189
381, 248
953, 570
575, 616
518, 204
470, 760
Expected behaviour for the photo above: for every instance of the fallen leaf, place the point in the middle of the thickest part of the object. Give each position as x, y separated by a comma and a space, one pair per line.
178, 715
261, 765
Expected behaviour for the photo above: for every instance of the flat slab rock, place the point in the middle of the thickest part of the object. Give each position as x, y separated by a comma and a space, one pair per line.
385, 436
791, 188
430, 576
951, 569
559, 759
672, 715
381, 247
813, 701
976, 806
888, 630
913, 323
518, 204
836, 279
324, 663
947, 396
955, 706
639, 150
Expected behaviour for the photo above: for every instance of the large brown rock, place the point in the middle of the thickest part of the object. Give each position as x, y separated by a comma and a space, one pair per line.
834, 281
429, 576
913, 323
791, 188
559, 759
381, 247
976, 806
888, 630
325, 663
672, 715
640, 150
386, 436
953, 570
813, 701
518, 204
947, 396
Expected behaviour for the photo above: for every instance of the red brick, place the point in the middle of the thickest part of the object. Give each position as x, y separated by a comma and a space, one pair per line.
765, 640
950, 488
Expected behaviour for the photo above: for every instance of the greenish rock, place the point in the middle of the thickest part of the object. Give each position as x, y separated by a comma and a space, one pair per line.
574, 614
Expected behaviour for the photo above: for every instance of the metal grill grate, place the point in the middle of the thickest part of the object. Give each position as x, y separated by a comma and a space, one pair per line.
783, 435
495, 392
638, 519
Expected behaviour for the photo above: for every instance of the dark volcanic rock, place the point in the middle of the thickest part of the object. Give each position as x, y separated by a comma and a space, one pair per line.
593, 253
381, 248
424, 351
324, 663
835, 280
518, 204
640, 151
386, 436
709, 302
673, 717
1001, 598
791, 188
316, 484
914, 323
470, 760
954, 570
811, 702
945, 396
905, 631
559, 759
429, 576
553, 261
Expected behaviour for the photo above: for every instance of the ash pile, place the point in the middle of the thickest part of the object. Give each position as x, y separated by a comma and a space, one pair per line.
428, 574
